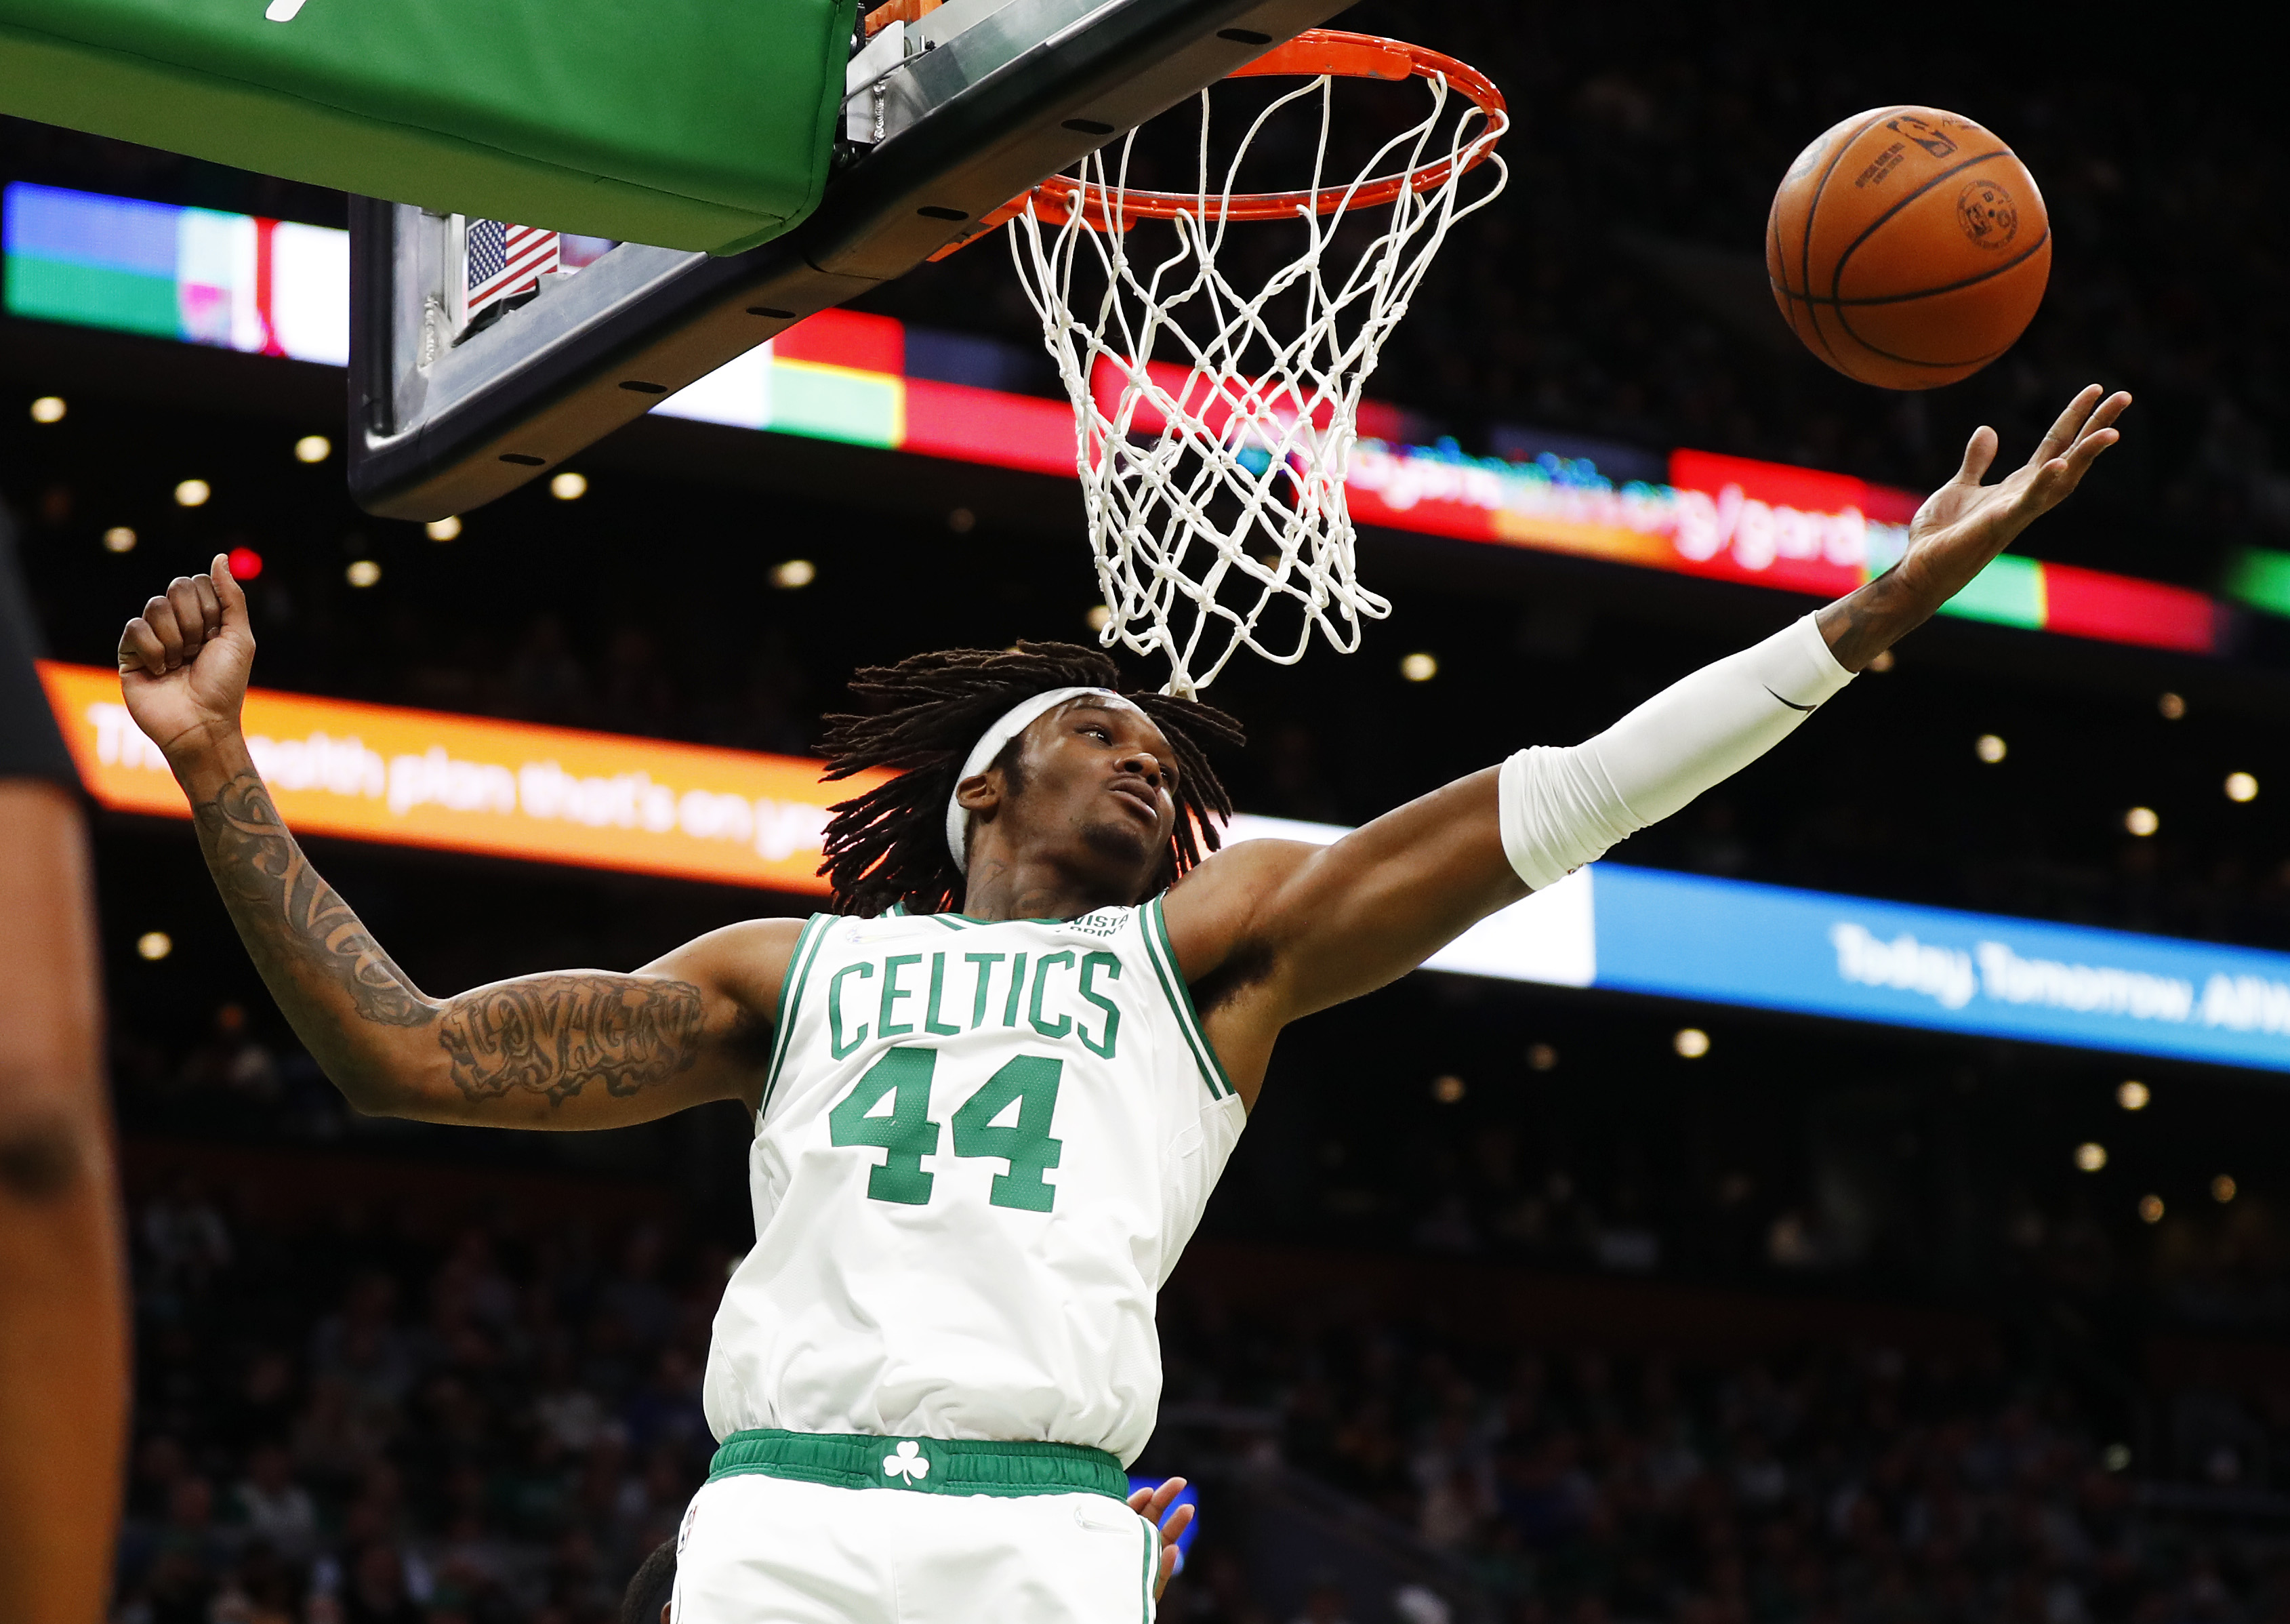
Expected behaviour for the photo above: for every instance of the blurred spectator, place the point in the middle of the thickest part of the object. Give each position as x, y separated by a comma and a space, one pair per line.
1324, 1602
376, 1591
545, 684
184, 1239
232, 1061
274, 1508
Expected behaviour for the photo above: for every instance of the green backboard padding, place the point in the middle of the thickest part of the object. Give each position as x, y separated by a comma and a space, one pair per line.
679, 123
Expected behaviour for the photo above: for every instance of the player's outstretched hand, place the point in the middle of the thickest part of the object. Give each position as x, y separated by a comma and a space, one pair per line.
184, 661
1965, 524
1153, 1505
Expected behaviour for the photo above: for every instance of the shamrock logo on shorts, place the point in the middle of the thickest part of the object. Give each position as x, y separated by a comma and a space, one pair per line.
907, 1465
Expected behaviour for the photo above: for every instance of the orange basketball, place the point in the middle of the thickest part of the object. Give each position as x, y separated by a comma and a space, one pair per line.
1908, 247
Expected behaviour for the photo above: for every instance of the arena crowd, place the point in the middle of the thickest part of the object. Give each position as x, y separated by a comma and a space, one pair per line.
396, 1413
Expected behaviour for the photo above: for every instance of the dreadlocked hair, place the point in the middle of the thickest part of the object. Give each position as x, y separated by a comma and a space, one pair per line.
925, 715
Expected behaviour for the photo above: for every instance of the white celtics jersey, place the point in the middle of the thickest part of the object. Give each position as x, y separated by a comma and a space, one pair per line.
981, 1147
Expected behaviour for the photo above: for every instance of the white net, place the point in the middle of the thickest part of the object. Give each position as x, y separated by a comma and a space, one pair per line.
1215, 427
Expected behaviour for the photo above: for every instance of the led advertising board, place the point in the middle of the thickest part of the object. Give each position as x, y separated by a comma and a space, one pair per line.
278, 288
1684, 936
499, 788
266, 286
1769, 947
418, 778
1765, 523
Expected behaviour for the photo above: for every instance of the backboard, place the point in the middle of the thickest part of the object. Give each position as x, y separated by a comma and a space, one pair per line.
946, 119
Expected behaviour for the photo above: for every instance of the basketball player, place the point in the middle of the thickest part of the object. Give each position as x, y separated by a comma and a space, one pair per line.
63, 1287
993, 1088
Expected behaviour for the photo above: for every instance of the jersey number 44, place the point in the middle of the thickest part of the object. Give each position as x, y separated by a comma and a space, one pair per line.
1007, 1119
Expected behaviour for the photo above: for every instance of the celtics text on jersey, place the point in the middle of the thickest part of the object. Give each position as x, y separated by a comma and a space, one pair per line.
982, 1147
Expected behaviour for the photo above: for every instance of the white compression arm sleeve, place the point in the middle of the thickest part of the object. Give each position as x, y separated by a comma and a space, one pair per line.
1561, 808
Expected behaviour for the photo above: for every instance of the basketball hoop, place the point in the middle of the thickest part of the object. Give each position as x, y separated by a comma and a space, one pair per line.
1214, 478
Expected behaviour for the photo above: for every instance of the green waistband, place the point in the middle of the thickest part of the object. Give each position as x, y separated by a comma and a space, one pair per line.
925, 1465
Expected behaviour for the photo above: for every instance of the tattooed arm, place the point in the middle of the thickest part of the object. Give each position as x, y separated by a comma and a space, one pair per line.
576, 1049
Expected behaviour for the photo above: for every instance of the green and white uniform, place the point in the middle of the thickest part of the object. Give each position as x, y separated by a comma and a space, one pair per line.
981, 1148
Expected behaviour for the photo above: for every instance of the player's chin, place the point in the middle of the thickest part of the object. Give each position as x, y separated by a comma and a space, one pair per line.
1124, 843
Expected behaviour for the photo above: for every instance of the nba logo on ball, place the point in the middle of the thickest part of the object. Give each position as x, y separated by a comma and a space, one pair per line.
1908, 247
1985, 211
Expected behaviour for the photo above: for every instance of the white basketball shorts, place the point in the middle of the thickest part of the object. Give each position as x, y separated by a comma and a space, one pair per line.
759, 1549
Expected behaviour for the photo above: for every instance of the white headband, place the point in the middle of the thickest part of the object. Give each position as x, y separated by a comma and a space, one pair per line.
1014, 720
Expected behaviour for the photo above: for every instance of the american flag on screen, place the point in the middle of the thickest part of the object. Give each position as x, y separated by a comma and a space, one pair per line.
503, 259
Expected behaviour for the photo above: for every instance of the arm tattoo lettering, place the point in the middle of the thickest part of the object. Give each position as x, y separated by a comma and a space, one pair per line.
290, 917
555, 1035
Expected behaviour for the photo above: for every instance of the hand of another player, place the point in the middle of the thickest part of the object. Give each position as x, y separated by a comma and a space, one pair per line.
1153, 1505
1965, 524
184, 661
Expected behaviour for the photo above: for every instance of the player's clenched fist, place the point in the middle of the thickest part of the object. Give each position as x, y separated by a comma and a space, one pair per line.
183, 662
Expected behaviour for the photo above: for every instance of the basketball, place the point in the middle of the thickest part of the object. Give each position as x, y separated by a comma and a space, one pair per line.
1908, 247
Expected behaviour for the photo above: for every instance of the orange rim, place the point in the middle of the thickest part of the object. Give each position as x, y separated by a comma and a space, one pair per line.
1311, 54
